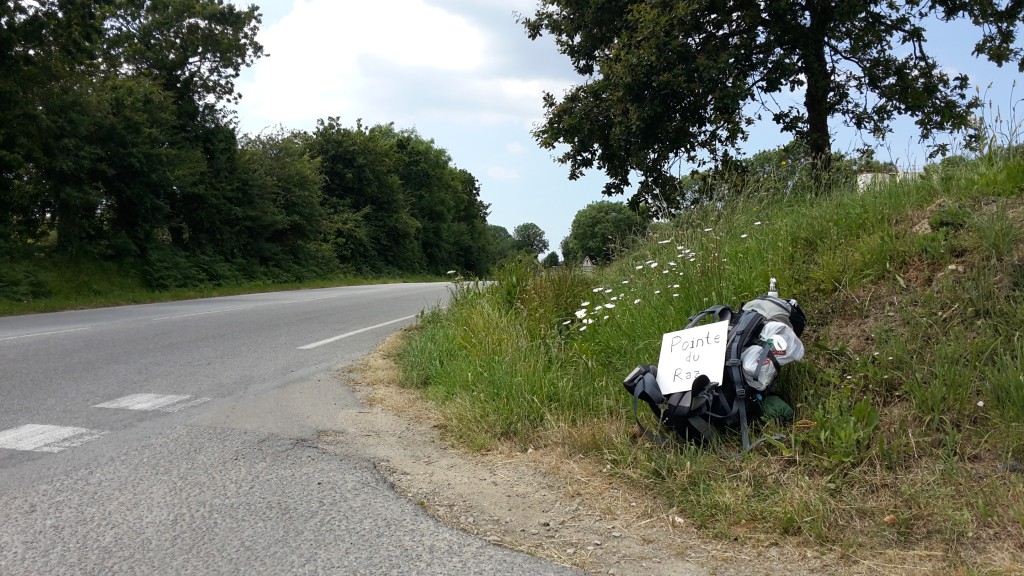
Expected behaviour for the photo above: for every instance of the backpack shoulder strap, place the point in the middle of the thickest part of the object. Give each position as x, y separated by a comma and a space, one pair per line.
649, 384
721, 313
738, 337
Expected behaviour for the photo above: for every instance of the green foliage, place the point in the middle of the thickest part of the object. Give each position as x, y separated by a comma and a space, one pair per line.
529, 238
670, 81
600, 230
118, 145
844, 430
500, 243
551, 260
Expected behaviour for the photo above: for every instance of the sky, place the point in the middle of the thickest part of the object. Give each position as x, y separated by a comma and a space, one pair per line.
463, 73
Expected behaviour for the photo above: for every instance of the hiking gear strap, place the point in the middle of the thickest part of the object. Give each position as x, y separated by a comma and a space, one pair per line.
650, 385
734, 365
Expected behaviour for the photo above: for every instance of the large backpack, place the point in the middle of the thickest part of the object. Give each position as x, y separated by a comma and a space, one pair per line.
700, 413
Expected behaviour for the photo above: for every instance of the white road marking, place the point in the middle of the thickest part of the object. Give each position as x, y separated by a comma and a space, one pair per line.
308, 299
45, 438
164, 403
203, 313
353, 333
45, 333
184, 405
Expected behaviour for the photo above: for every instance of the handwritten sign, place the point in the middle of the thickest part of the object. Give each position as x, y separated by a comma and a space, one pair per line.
687, 354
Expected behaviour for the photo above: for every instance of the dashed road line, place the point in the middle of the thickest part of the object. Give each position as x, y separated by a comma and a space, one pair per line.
354, 332
161, 402
45, 333
46, 438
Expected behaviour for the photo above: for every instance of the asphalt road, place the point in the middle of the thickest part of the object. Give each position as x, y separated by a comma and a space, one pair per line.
179, 438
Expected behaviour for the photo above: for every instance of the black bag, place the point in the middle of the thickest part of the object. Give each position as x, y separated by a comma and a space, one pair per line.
699, 414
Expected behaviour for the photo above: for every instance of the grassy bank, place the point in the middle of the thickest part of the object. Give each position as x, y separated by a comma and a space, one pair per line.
59, 283
910, 402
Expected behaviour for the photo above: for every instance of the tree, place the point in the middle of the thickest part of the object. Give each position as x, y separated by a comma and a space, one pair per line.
667, 81
551, 260
599, 229
284, 219
530, 238
500, 242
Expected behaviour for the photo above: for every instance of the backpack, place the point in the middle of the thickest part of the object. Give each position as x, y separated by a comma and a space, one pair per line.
697, 415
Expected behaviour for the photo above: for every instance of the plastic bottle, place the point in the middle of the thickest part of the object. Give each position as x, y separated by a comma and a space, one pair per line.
773, 289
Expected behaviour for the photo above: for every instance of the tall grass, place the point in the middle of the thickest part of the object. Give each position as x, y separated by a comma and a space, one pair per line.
909, 397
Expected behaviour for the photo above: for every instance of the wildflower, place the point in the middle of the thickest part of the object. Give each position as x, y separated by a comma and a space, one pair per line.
707, 229
614, 298
607, 290
581, 313
566, 323
981, 403
637, 301
609, 305
680, 247
582, 328
675, 285
743, 235
625, 281
725, 259
450, 272
585, 304
758, 223
672, 264
664, 271
675, 295
640, 267
664, 242
607, 317
657, 291
654, 264
598, 289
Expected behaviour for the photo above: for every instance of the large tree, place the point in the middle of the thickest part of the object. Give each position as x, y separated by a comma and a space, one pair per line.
528, 237
667, 80
599, 230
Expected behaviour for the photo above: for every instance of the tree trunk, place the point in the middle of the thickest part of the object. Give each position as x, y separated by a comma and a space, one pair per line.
815, 64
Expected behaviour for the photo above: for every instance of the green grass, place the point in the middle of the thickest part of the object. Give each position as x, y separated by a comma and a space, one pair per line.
910, 401
53, 283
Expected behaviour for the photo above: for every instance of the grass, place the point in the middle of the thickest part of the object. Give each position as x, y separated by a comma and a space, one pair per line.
59, 283
910, 401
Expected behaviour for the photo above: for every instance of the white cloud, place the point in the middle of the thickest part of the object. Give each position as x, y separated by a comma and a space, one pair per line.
318, 54
514, 148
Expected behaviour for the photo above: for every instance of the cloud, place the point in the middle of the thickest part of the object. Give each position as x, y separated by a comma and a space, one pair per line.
406, 61
514, 148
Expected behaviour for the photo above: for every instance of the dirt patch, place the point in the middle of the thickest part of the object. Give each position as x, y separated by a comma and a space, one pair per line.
549, 504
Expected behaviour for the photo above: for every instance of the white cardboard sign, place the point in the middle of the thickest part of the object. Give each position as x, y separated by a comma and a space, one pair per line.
686, 354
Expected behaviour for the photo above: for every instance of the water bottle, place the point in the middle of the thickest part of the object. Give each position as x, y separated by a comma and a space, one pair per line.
773, 288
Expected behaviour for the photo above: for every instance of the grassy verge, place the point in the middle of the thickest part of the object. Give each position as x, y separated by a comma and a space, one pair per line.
56, 283
910, 402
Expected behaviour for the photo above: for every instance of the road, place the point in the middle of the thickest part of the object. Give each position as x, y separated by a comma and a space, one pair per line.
180, 438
